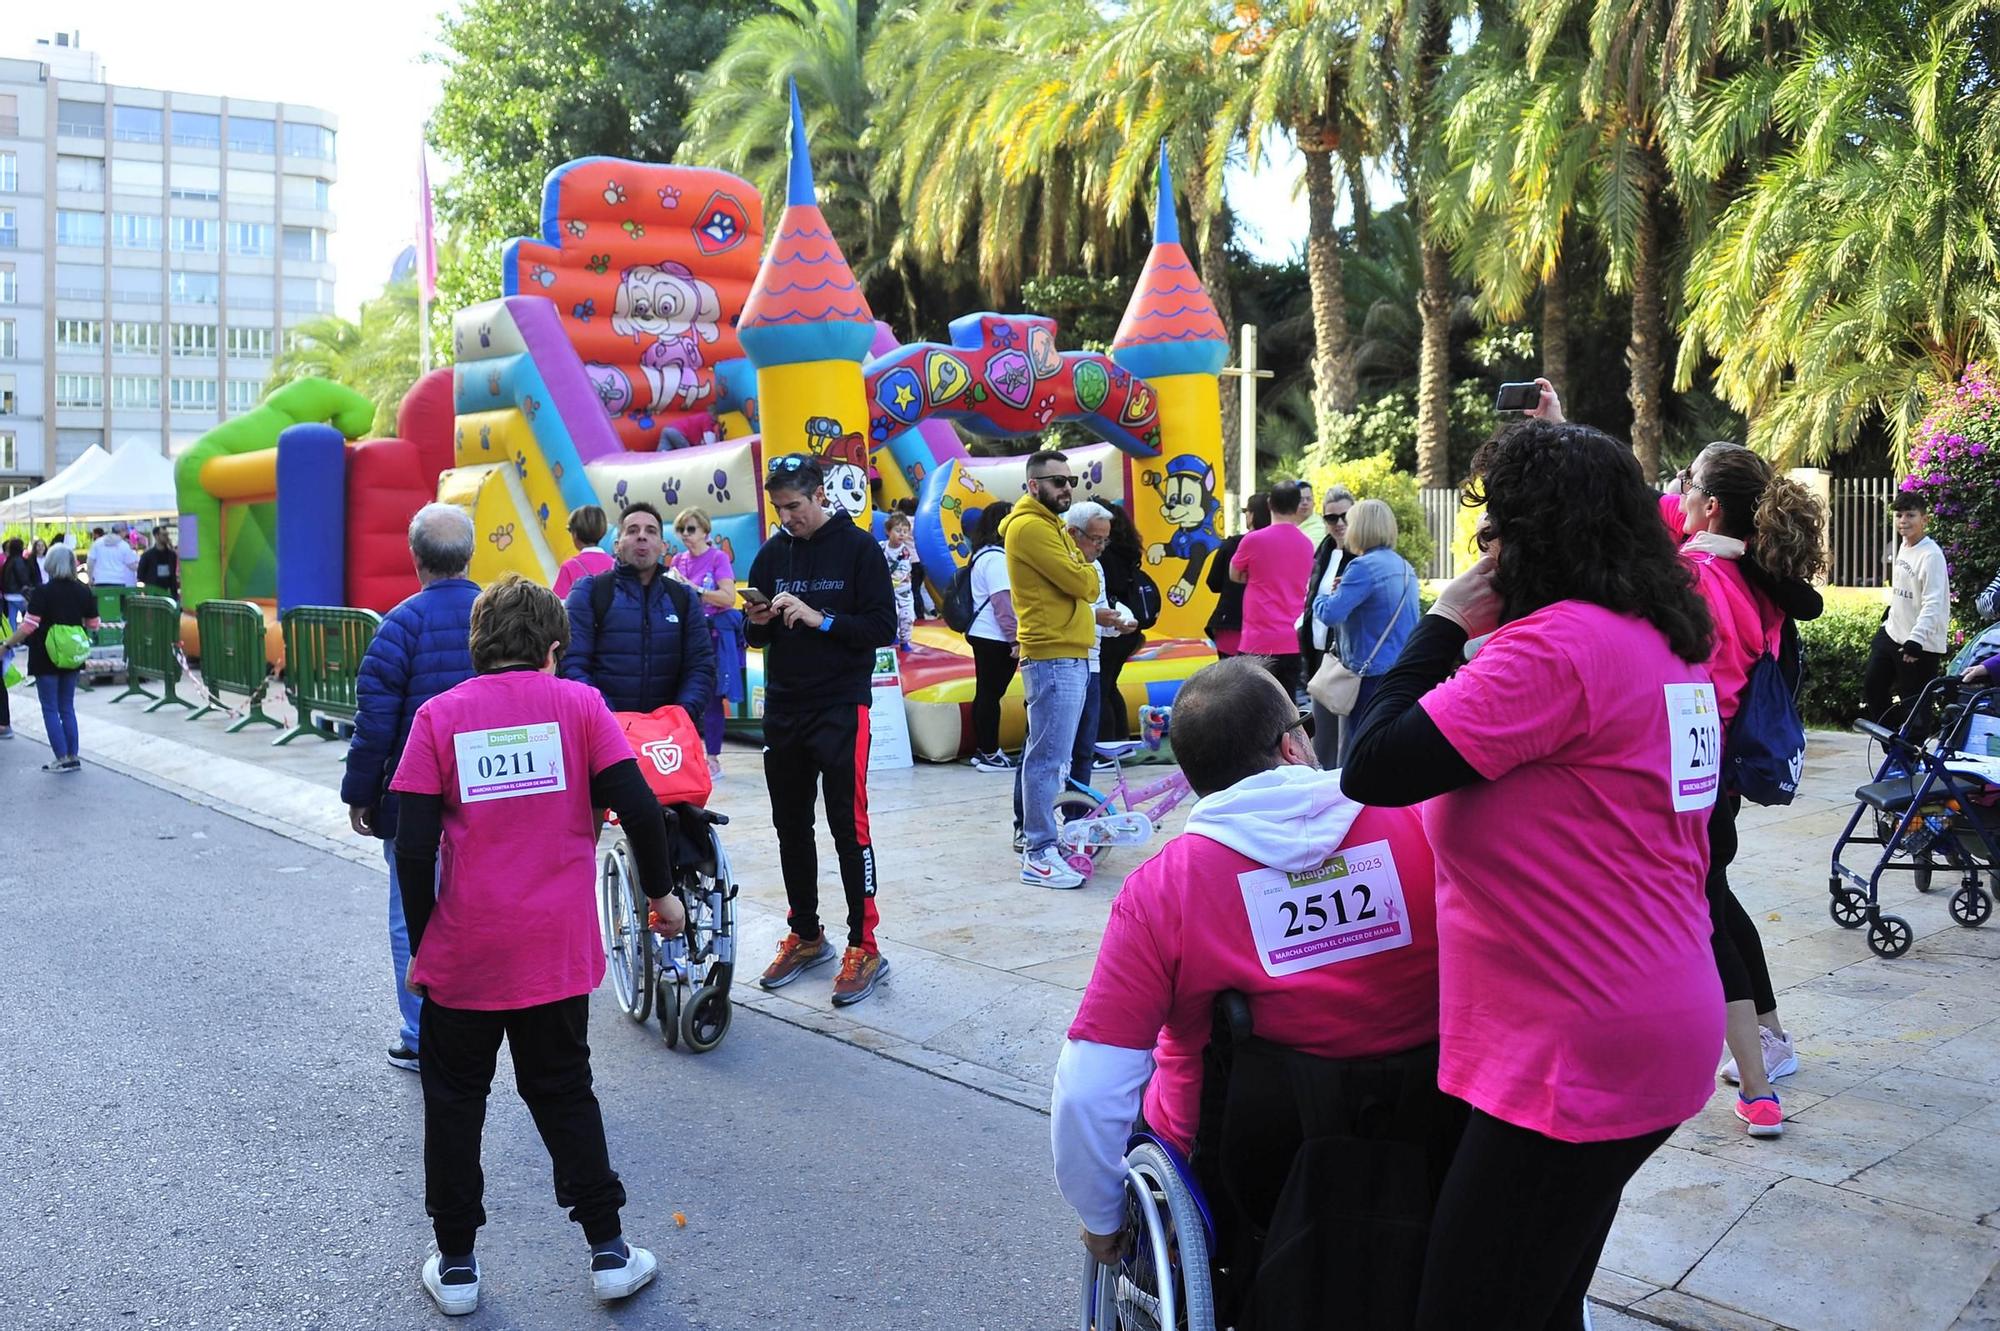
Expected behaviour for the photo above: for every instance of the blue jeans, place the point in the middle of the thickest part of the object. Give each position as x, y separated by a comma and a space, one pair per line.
407, 1003
1055, 692
57, 691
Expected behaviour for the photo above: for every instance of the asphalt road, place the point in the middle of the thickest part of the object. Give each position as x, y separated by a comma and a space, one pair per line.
198, 1129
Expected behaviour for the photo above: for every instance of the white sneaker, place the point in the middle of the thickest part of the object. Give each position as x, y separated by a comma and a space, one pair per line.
1781, 1059
1048, 869
452, 1300
626, 1279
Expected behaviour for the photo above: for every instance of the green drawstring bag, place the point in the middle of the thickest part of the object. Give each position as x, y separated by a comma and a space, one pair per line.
68, 646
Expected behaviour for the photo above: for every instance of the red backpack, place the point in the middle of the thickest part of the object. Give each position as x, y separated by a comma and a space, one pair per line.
668, 745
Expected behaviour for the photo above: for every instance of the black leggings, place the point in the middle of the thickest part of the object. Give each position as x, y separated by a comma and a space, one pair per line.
1520, 1225
993, 667
1739, 953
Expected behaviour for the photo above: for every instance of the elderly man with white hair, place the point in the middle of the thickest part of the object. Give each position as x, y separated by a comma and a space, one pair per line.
422, 649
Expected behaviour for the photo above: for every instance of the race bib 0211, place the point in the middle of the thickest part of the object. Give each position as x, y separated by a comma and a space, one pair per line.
1694, 729
509, 763
1350, 906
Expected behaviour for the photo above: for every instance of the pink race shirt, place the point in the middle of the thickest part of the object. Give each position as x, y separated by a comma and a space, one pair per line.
1578, 994
581, 565
1180, 933
512, 755
1279, 561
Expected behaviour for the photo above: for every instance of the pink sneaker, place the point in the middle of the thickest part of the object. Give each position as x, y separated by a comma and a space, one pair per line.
1762, 1117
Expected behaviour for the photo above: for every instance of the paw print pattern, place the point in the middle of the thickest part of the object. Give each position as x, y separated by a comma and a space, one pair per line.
493, 383
584, 310
485, 336
521, 465
719, 486
633, 228
578, 229
542, 513
501, 536
542, 275
1045, 411
614, 193
599, 264
458, 438
486, 438
619, 497
669, 197
529, 406
556, 470
671, 492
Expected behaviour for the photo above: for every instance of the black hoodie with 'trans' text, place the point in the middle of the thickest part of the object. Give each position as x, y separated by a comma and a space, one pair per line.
838, 570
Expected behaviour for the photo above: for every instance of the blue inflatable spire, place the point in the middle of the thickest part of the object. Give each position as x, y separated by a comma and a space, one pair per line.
1166, 226
799, 182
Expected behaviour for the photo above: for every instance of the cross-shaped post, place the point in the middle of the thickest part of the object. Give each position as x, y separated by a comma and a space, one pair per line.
1246, 374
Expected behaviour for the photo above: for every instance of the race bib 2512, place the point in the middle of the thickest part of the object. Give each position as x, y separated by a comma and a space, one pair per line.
1350, 906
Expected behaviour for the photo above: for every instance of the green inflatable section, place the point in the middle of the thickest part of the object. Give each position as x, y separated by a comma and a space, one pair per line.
250, 536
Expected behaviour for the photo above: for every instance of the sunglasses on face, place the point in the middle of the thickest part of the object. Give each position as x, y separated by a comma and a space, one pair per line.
1336, 518
1064, 481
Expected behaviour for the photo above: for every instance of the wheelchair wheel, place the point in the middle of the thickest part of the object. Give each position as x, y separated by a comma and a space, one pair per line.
1889, 936
1848, 908
1165, 1283
668, 1009
706, 1019
1971, 906
627, 940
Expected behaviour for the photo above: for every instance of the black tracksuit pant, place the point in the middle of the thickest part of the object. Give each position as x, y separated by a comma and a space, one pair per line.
551, 1049
1888, 676
806, 752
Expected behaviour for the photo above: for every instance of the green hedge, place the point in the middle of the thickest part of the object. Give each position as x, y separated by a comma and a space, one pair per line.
1836, 655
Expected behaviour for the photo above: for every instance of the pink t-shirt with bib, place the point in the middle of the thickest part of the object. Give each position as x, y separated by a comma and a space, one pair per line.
512, 755
1180, 933
1279, 563
1578, 995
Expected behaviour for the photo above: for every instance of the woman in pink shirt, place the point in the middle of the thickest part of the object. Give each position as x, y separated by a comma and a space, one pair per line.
1754, 541
587, 526
1569, 769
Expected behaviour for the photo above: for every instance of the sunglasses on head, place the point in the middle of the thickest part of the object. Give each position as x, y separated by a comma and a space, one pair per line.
791, 462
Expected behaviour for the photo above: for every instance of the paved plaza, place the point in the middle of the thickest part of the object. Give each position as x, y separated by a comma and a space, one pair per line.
1874, 1211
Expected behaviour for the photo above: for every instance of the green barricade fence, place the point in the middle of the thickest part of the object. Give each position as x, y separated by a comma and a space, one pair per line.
152, 650
323, 649
232, 659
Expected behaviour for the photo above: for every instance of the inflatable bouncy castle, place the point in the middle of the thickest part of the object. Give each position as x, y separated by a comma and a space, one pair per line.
653, 343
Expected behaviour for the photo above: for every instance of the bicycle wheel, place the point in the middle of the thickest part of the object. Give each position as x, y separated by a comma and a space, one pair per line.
627, 955
1072, 806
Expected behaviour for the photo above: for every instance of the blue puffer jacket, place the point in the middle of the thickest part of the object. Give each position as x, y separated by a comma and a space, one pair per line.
652, 649
422, 649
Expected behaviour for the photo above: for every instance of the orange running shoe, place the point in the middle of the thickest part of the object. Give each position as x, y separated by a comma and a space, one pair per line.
795, 957
860, 971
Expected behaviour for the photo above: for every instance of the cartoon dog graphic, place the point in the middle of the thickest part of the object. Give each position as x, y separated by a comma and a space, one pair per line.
1188, 503
671, 313
843, 460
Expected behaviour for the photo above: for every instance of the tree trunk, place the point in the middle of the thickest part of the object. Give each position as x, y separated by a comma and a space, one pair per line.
1333, 354
1434, 371
1213, 264
1555, 328
1645, 356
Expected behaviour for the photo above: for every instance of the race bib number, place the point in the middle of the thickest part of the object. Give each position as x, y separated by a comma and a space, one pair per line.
507, 764
1350, 906
1695, 727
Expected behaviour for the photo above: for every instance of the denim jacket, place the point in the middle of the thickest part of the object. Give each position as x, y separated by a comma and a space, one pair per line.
1374, 607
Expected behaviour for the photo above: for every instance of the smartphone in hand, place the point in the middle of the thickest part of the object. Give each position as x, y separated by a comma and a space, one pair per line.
752, 596
1518, 397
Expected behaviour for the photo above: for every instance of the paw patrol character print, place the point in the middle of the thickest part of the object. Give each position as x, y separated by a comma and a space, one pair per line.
670, 313
1188, 503
843, 458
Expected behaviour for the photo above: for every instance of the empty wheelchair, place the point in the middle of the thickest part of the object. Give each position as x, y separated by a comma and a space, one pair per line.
1310, 1188
684, 981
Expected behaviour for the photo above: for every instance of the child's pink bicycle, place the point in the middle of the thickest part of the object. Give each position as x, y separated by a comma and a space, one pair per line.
1093, 820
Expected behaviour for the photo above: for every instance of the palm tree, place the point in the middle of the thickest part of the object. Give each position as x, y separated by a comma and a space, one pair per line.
376, 356
1856, 273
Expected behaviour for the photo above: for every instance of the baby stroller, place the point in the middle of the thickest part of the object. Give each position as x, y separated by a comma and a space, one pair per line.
1931, 806
686, 979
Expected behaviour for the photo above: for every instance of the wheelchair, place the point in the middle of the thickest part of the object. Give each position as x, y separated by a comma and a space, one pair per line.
1311, 1185
685, 981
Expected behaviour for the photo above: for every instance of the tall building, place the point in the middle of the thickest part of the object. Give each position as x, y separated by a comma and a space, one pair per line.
154, 249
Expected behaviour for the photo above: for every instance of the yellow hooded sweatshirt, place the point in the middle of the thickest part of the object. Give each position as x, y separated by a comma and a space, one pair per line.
1052, 586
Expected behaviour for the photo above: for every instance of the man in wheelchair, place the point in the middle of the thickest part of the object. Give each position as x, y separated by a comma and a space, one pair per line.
1312, 1117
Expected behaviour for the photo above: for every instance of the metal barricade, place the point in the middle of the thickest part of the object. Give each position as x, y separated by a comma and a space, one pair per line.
152, 650
232, 660
323, 650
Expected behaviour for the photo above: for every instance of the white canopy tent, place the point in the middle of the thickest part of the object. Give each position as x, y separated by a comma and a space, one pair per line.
134, 482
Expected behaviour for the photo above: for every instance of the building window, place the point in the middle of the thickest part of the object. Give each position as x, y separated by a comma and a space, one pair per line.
80, 120
79, 334
9, 346
253, 186
10, 401
193, 235
197, 129
131, 338
194, 340
135, 392
137, 124
10, 172
252, 134
133, 177
191, 395
196, 182
249, 343
83, 174
10, 288
80, 229
252, 239
10, 454
309, 141
248, 292
80, 281
135, 286
308, 295
305, 244
80, 390
135, 231
193, 288
244, 394
10, 234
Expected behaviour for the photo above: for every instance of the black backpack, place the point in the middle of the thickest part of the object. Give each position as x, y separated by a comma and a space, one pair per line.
1147, 594
600, 598
958, 610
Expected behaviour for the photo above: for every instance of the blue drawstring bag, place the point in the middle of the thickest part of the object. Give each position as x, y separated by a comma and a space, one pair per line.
1764, 754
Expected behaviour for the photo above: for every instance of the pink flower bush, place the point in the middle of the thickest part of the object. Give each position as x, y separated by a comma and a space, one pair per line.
1955, 465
